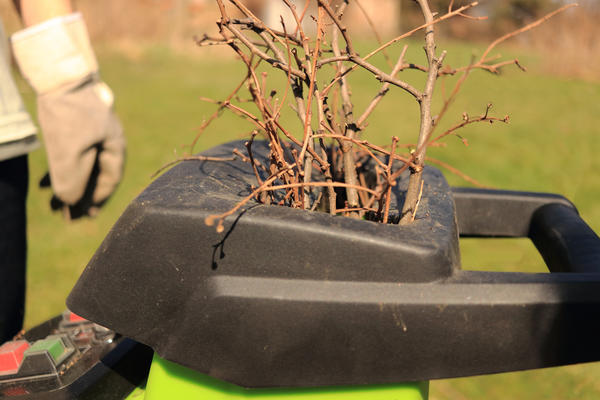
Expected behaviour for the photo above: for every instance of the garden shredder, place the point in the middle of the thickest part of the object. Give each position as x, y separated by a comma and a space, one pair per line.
291, 304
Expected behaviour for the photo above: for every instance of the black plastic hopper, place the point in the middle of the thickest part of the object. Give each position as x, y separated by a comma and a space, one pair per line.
286, 297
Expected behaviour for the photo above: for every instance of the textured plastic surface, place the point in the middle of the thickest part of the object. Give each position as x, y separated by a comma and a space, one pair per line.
172, 381
290, 298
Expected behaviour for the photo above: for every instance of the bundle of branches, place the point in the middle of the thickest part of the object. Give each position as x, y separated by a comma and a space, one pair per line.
319, 163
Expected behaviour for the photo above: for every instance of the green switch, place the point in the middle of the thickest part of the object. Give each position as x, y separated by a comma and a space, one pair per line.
54, 346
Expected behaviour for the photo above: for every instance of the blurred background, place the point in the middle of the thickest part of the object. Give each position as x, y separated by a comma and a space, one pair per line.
148, 56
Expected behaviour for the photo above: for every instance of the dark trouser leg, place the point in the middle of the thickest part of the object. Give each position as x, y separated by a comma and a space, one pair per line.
14, 177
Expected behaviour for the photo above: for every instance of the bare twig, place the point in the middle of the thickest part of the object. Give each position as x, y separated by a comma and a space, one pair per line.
258, 52
336, 18
210, 220
215, 115
312, 90
400, 37
367, 146
328, 154
190, 158
248, 145
468, 121
347, 108
390, 183
383, 91
374, 30
457, 172
414, 214
523, 29
318, 184
425, 129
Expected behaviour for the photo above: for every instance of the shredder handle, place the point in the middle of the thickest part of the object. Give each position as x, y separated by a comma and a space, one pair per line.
564, 240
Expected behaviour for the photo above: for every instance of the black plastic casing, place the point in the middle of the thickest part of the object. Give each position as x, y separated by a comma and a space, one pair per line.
293, 298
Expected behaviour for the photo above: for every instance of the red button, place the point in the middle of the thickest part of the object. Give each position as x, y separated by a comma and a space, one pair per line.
11, 356
75, 318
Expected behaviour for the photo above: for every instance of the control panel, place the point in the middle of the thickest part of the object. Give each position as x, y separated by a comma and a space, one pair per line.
69, 357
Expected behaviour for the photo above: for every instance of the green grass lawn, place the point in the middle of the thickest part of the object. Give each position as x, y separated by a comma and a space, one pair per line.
550, 145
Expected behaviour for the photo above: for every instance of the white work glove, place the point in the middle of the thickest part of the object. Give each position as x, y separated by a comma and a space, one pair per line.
83, 136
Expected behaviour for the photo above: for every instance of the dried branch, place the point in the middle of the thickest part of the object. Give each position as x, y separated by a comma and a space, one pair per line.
312, 91
216, 114
457, 172
382, 92
250, 23
258, 52
266, 186
368, 146
210, 220
400, 37
414, 214
319, 184
483, 62
305, 167
248, 145
390, 182
349, 161
338, 22
523, 29
468, 120
434, 63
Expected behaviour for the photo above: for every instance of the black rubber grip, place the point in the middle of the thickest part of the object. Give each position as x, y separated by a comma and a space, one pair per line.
564, 240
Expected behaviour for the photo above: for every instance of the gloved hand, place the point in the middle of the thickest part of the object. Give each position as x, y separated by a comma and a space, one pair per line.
83, 137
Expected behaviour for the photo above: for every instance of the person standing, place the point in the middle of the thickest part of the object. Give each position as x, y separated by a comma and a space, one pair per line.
83, 137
